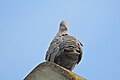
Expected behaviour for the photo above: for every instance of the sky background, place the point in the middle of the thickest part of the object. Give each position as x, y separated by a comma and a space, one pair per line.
28, 26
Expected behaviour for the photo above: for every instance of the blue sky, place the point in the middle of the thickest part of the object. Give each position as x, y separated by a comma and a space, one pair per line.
28, 26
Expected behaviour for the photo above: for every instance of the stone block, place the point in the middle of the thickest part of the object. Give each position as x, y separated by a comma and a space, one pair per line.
51, 71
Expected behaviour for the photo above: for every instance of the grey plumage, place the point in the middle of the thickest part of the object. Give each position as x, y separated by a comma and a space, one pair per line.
65, 50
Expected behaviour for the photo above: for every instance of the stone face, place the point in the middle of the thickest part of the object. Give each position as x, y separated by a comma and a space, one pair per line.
51, 71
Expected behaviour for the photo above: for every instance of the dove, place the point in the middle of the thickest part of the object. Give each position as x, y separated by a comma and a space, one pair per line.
64, 50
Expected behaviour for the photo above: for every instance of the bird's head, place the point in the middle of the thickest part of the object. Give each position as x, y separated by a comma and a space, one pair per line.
63, 26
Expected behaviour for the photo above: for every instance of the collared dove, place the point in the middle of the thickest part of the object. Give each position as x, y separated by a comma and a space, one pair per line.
64, 50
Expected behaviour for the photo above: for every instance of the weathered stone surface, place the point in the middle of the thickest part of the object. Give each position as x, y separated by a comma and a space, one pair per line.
51, 71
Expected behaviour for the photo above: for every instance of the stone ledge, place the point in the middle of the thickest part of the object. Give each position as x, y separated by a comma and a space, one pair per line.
51, 71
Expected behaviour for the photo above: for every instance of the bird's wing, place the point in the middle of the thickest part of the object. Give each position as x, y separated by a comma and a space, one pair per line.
77, 44
53, 49
72, 47
80, 50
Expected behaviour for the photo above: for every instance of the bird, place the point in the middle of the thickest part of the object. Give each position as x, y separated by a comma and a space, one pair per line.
64, 50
